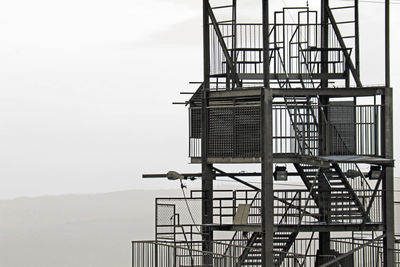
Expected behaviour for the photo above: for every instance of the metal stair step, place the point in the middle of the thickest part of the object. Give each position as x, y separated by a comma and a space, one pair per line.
346, 217
344, 212
343, 206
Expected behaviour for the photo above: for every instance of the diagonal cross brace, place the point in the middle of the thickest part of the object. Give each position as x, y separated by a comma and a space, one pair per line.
351, 191
337, 259
246, 251
343, 46
237, 179
221, 41
367, 212
290, 205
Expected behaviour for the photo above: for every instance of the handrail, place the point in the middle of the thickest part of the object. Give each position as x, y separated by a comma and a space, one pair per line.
234, 235
223, 46
309, 195
352, 251
294, 124
288, 207
174, 245
343, 45
363, 176
308, 248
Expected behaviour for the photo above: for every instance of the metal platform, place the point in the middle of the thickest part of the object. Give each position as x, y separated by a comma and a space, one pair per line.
314, 160
286, 95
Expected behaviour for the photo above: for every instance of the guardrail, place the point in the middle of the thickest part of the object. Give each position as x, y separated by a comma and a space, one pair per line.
291, 207
234, 131
293, 49
181, 254
348, 251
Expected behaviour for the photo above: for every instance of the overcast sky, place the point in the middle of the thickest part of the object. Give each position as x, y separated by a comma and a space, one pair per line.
86, 90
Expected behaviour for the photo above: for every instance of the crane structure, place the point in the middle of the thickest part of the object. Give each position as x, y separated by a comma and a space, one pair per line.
284, 96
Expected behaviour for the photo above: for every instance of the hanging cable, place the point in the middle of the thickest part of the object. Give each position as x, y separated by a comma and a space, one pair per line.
187, 205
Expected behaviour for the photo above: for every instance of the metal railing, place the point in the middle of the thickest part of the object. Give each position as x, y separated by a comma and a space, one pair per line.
294, 50
290, 206
234, 131
349, 252
180, 254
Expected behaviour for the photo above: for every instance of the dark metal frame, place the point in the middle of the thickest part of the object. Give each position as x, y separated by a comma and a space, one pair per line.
304, 90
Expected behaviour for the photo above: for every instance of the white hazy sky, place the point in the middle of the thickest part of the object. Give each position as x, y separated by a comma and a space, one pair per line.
86, 90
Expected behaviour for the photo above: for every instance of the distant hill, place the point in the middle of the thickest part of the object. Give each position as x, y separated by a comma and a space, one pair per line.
75, 230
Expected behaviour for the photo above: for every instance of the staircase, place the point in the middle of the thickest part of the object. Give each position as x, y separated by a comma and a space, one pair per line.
251, 256
332, 193
304, 123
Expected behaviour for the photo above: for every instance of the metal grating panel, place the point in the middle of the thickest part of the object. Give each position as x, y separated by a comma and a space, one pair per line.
342, 131
234, 132
247, 132
220, 132
195, 122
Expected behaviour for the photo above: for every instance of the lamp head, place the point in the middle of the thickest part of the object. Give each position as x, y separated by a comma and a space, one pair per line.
173, 175
280, 173
374, 173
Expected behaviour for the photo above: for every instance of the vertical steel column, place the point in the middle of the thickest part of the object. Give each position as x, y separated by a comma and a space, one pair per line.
387, 140
387, 43
234, 39
357, 34
324, 134
267, 210
207, 172
388, 182
206, 46
324, 237
324, 41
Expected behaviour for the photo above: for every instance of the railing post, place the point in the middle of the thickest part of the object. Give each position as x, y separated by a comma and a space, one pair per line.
134, 258
233, 204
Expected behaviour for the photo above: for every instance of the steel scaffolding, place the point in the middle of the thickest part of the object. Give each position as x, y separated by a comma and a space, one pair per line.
285, 95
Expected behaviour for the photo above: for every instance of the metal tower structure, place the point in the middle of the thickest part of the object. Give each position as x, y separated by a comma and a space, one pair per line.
286, 96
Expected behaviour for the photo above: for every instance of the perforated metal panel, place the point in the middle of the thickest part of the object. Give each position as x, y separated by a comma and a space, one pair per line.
247, 132
234, 132
195, 122
342, 131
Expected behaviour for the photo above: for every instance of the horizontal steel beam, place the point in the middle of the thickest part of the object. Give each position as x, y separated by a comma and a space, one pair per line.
278, 92
276, 159
300, 228
290, 76
333, 92
198, 175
